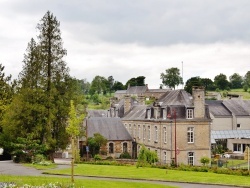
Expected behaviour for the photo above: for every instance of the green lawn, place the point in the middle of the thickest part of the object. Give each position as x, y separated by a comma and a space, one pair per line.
154, 174
79, 183
41, 167
246, 95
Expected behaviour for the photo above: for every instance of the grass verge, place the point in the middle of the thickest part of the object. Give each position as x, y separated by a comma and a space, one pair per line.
41, 167
79, 183
154, 174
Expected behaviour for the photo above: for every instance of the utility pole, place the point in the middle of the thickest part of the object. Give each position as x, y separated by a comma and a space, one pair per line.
175, 145
72, 160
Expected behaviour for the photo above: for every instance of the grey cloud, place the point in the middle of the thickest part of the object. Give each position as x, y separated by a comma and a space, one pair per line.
159, 22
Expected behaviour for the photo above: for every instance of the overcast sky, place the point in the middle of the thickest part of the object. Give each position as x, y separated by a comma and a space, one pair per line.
130, 38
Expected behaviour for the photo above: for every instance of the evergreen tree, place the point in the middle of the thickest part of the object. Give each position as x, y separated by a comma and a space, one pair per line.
40, 108
55, 73
6, 93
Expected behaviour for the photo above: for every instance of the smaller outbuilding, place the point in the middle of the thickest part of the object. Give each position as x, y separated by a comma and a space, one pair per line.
119, 139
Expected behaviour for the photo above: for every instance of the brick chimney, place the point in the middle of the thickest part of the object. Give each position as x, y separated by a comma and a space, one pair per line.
141, 99
199, 101
127, 103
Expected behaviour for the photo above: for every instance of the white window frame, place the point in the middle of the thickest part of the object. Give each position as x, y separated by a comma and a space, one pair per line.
156, 134
190, 113
190, 156
190, 135
165, 157
139, 131
165, 135
144, 132
238, 146
149, 133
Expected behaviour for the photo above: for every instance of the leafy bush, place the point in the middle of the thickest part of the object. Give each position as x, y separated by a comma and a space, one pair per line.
97, 157
204, 160
125, 155
146, 157
245, 87
109, 158
38, 158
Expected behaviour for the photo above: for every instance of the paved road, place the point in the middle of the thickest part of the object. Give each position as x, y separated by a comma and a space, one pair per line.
10, 168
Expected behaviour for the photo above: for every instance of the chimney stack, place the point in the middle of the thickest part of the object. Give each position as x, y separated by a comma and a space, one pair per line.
127, 103
141, 100
199, 101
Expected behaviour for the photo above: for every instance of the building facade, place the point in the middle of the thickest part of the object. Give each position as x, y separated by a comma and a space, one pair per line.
176, 126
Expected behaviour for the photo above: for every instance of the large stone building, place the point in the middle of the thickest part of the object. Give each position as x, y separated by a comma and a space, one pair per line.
135, 91
230, 124
176, 126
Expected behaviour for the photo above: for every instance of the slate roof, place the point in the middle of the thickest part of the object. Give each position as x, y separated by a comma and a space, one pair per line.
217, 108
236, 107
121, 92
137, 90
158, 90
97, 113
176, 97
110, 128
137, 112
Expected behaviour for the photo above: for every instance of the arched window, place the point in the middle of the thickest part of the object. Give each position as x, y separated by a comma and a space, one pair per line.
111, 147
156, 134
125, 147
165, 157
149, 133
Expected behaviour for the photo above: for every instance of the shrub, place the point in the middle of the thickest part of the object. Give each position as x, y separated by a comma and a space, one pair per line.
125, 155
109, 158
97, 157
204, 160
146, 157
245, 87
38, 158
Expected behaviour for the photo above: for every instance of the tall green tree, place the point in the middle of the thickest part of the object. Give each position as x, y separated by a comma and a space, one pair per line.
118, 86
55, 74
236, 81
171, 77
247, 79
110, 84
40, 108
6, 96
208, 84
194, 81
99, 85
138, 81
221, 81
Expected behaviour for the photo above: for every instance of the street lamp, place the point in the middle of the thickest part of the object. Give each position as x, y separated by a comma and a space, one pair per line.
175, 145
